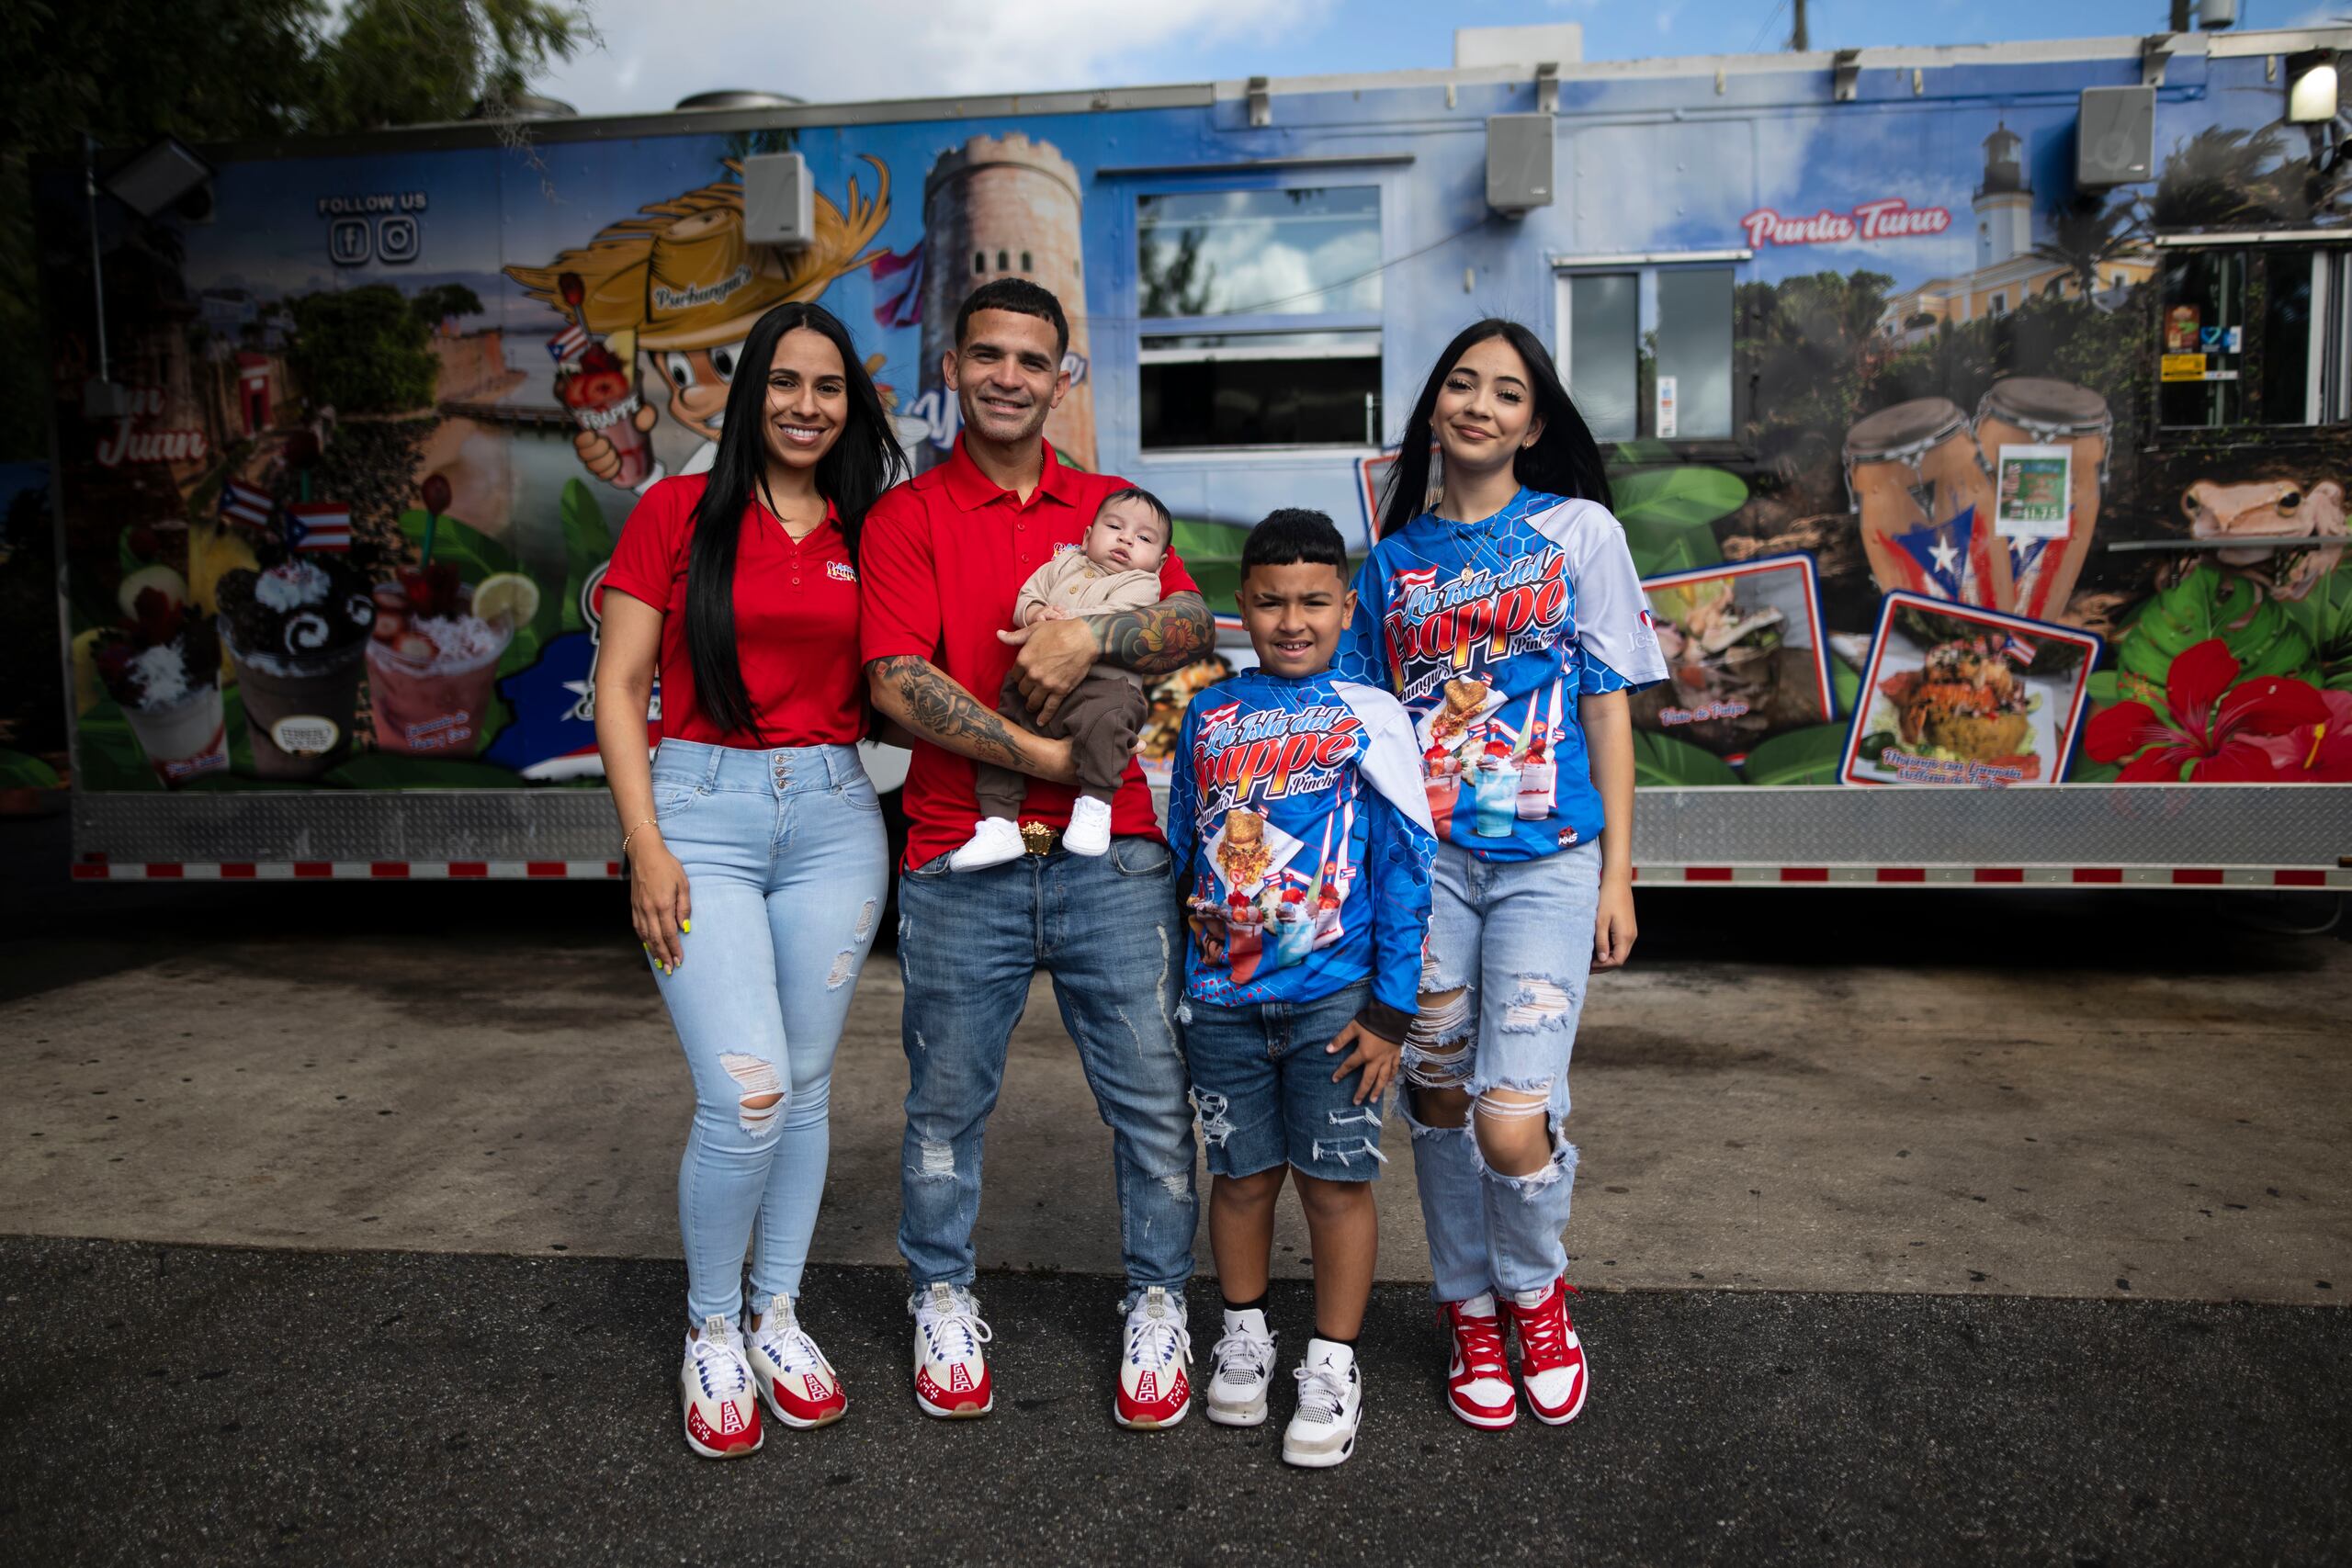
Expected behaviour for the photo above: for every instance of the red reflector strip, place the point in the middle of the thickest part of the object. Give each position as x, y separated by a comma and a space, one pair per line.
2196, 876
1706, 873
394, 869
1804, 873
2299, 879
309, 869
545, 868
162, 870
89, 873
237, 870
468, 868
1902, 874
2098, 873
2001, 873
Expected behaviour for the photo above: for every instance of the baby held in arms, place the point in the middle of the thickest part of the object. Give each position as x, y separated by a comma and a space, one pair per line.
1115, 569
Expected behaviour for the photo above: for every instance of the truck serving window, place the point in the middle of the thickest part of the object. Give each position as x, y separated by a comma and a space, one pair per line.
1647, 350
2254, 335
1260, 318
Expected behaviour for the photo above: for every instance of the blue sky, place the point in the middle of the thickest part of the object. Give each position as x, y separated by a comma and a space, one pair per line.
657, 50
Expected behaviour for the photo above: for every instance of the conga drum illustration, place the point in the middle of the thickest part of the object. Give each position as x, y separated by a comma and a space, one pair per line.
2028, 410
1926, 503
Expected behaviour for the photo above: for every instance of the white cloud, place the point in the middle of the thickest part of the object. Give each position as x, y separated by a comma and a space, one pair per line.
657, 51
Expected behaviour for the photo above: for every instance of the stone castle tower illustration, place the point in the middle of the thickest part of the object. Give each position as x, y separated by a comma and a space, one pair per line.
997, 207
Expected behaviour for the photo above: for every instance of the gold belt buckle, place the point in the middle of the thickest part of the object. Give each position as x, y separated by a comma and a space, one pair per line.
1039, 839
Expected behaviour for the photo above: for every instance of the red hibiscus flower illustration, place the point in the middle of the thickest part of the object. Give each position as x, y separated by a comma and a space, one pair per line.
2317, 753
2214, 731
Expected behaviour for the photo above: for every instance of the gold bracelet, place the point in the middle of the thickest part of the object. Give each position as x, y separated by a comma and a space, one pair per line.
649, 822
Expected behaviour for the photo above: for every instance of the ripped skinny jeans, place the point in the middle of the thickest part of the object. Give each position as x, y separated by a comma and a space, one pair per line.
1516, 939
786, 861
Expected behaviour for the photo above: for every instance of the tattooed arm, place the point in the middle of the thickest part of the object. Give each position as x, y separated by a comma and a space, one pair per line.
918, 695
1056, 655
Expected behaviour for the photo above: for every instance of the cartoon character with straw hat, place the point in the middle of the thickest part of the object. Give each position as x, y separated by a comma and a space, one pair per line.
680, 285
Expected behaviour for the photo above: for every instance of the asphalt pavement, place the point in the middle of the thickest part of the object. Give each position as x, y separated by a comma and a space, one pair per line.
166, 1404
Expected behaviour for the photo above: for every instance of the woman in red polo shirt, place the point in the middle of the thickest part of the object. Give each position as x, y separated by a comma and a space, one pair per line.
754, 841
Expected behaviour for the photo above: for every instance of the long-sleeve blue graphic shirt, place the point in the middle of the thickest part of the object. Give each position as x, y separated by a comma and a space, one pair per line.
1488, 632
1298, 816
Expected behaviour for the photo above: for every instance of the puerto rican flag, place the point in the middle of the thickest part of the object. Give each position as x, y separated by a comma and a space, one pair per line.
318, 526
568, 344
243, 503
1947, 561
1224, 713
898, 287
1418, 579
2016, 648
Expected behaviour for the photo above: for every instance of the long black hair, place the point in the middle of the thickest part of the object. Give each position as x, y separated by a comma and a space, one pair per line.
1564, 460
861, 463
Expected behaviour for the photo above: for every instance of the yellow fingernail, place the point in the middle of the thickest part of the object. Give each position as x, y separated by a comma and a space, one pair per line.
685, 925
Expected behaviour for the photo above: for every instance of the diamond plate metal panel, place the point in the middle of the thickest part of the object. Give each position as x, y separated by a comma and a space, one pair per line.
521, 824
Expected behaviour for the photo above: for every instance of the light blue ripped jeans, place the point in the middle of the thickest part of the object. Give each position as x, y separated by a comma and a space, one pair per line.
1516, 937
786, 861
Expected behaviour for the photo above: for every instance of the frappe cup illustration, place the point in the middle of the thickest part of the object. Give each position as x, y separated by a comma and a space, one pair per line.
433, 661
1245, 927
1442, 775
591, 382
161, 667
296, 632
1537, 776
1294, 929
1497, 792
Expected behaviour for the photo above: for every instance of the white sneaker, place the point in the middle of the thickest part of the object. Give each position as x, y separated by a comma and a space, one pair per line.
1242, 1370
994, 840
799, 1385
1331, 1407
722, 1407
951, 1370
1156, 1368
1089, 832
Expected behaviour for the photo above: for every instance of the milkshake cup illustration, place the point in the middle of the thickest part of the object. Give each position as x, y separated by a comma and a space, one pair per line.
597, 388
1442, 775
1294, 929
161, 667
1496, 789
1537, 775
433, 661
1327, 905
296, 632
1245, 927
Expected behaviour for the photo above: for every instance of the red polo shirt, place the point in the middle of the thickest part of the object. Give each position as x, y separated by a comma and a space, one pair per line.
796, 620
942, 557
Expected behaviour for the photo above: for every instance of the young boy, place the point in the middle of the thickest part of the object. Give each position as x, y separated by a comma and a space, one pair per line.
1302, 843
1115, 569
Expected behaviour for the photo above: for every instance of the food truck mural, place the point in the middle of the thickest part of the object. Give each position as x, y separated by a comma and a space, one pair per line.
1941, 471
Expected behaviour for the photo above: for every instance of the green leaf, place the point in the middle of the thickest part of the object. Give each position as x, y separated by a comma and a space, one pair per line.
2207, 603
587, 544
2325, 617
1657, 549
2101, 686
1198, 542
1845, 683
1686, 497
1808, 756
474, 553
1662, 762
2087, 771
1634, 454
18, 771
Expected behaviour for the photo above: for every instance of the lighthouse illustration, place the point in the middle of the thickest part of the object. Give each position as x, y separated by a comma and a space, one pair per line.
998, 206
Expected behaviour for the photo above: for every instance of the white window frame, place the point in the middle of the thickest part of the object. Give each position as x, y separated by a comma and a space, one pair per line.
1646, 265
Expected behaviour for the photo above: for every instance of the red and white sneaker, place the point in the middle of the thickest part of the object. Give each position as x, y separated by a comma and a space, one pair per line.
1156, 1368
951, 1370
722, 1406
799, 1385
1478, 1379
1551, 1358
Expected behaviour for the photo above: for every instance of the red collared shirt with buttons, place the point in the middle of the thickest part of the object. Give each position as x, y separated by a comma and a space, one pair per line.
795, 621
942, 559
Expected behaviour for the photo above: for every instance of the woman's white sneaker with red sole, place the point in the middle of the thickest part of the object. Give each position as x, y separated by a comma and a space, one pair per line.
1550, 1358
722, 1407
1156, 1365
1477, 1378
800, 1386
951, 1370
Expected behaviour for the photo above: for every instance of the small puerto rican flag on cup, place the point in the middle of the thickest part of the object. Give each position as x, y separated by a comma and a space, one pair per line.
568, 344
318, 526
245, 503
2016, 648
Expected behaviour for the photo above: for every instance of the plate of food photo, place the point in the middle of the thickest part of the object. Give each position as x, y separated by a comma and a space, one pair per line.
1967, 696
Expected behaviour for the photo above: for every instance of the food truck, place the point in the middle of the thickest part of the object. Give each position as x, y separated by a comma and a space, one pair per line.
1977, 417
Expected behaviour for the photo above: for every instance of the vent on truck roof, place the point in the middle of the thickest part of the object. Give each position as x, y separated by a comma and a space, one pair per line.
521, 105
739, 99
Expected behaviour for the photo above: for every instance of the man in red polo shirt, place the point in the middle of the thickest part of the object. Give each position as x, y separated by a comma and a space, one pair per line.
941, 560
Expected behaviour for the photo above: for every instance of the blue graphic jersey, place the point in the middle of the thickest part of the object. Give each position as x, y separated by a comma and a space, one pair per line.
1488, 632
1297, 816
